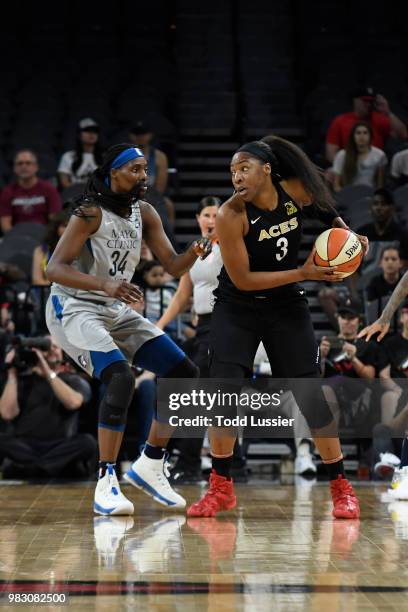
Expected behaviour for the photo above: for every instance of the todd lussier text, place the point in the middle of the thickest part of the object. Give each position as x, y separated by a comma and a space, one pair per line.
251, 420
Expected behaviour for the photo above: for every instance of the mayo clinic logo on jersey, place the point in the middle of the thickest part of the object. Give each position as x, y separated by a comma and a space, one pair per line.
124, 238
82, 361
290, 208
277, 230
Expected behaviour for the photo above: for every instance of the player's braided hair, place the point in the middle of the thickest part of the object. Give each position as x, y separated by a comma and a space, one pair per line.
289, 161
98, 193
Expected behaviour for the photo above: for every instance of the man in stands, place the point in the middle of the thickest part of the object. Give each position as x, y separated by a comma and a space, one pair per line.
367, 106
142, 136
29, 199
384, 227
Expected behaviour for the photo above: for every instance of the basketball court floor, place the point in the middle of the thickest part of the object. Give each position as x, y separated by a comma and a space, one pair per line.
279, 550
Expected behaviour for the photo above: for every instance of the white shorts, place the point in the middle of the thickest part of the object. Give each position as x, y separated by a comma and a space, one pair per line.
93, 334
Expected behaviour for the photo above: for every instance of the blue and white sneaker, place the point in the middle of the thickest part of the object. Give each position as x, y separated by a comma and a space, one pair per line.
150, 475
109, 499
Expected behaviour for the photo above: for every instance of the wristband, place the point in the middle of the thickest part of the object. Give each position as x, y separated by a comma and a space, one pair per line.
52, 375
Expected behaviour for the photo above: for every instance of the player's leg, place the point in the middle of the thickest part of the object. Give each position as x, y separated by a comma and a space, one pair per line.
150, 472
293, 353
76, 327
234, 341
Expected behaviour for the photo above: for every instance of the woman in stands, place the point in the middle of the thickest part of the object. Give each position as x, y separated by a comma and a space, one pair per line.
359, 163
258, 299
77, 166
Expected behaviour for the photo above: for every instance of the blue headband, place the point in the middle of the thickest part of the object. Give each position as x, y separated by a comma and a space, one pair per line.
123, 158
126, 156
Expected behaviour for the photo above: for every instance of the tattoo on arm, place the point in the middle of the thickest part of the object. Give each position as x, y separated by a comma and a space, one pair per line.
399, 294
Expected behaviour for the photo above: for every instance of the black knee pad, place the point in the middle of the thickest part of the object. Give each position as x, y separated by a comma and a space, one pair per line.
314, 407
120, 386
184, 369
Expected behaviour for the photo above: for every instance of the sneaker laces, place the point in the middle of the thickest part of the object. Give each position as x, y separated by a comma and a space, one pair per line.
210, 496
113, 481
342, 489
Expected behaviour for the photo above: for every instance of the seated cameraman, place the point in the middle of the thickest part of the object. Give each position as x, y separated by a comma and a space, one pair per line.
393, 428
346, 362
40, 402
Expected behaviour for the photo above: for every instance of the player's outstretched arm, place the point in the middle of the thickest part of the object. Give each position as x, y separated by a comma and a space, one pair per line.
160, 245
382, 324
60, 269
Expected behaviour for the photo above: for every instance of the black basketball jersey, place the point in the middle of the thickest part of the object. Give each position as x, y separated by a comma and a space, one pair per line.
272, 242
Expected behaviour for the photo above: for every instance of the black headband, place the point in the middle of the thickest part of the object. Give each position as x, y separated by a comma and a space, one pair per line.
253, 148
257, 151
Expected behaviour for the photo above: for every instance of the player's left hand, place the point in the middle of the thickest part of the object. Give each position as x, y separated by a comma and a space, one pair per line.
364, 243
350, 350
202, 247
378, 327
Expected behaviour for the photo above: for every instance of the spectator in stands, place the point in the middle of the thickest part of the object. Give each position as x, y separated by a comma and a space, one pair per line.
384, 283
372, 108
141, 135
29, 199
77, 165
359, 163
399, 168
156, 295
384, 227
388, 435
41, 404
43, 252
345, 362
9, 274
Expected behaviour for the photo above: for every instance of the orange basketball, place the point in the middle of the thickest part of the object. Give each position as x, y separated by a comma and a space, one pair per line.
338, 247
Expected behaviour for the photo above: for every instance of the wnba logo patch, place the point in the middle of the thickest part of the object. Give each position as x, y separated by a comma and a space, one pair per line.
290, 208
82, 361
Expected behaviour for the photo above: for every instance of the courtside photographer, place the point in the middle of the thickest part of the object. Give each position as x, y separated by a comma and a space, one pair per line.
40, 402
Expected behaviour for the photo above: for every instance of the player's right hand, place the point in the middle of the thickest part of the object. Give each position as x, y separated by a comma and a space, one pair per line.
320, 273
123, 291
378, 327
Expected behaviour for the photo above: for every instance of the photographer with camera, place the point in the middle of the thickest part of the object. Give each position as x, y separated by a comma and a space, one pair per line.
40, 402
347, 364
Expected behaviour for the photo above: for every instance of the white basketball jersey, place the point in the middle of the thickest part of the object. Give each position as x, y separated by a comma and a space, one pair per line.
113, 252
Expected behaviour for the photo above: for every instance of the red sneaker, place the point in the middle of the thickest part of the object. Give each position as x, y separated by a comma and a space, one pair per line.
220, 496
345, 501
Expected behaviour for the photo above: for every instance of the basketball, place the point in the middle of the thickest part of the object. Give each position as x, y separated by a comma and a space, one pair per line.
338, 247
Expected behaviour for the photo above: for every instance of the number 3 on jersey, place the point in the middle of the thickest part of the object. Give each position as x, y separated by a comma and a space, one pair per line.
282, 244
118, 266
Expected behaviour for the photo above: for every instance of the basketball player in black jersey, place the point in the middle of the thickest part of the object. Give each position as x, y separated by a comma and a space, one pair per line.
258, 299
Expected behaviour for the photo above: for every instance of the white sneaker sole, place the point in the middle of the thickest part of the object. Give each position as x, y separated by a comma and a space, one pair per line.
120, 510
135, 480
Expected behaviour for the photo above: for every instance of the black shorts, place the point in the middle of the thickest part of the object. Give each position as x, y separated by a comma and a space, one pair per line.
285, 329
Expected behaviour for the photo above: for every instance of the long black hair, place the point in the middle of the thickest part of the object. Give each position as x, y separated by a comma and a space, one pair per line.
208, 201
79, 152
51, 237
98, 193
350, 166
289, 161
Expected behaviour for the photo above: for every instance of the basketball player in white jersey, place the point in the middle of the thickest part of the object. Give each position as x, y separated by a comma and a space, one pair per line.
89, 316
